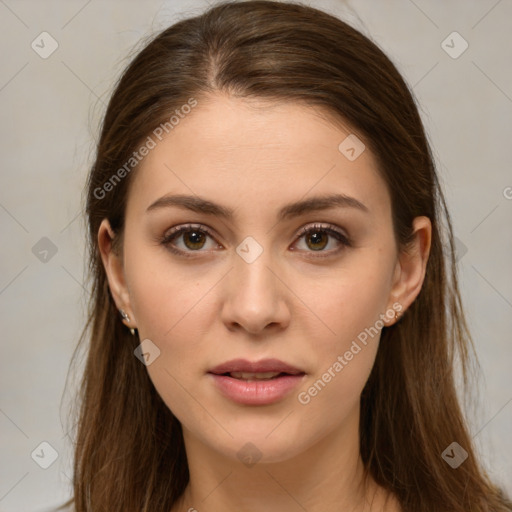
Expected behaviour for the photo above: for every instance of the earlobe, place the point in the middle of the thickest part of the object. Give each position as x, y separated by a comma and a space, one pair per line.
114, 270
411, 265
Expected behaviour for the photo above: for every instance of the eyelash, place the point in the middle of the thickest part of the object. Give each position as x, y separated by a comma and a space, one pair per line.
316, 228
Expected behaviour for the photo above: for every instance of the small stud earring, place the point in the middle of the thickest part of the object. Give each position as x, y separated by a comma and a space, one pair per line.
126, 318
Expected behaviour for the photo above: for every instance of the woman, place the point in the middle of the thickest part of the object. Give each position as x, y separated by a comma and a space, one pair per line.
275, 309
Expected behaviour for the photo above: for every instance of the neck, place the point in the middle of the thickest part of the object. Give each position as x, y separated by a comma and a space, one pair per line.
328, 476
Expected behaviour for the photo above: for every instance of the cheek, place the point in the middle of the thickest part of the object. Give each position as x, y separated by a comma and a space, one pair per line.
344, 360
346, 303
171, 309
350, 307
333, 395
167, 299
175, 319
171, 318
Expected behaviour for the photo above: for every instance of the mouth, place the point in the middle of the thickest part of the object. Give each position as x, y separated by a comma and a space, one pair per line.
256, 383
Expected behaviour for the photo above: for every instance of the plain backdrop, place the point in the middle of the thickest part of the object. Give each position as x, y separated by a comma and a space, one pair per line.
51, 106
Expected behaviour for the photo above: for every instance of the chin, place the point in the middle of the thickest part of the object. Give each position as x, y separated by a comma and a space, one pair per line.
265, 442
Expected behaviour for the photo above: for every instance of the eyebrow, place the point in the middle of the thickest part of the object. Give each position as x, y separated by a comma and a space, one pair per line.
313, 204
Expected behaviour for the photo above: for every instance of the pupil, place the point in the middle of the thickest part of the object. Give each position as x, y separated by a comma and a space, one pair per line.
196, 238
316, 237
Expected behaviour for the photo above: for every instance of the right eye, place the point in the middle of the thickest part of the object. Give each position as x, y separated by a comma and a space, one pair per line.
193, 237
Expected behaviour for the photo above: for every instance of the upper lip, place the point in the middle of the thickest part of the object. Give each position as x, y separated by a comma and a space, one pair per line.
262, 366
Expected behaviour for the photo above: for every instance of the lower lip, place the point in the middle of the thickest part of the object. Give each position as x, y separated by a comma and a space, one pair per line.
256, 392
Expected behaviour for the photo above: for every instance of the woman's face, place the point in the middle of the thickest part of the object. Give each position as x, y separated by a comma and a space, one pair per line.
250, 285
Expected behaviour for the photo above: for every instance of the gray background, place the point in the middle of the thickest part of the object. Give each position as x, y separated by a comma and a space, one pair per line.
50, 113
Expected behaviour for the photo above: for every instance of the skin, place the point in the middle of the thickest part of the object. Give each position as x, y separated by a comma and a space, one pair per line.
289, 303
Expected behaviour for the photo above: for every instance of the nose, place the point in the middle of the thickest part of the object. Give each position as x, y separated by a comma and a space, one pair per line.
255, 296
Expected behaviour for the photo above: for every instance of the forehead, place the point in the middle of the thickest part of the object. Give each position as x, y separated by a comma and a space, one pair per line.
235, 150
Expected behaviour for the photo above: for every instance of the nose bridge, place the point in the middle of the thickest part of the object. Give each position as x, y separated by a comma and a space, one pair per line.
255, 278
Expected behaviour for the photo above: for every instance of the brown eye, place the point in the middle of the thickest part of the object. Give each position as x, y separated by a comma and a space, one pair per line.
317, 238
193, 238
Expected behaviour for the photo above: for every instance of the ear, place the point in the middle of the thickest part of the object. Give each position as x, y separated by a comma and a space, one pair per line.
412, 264
113, 265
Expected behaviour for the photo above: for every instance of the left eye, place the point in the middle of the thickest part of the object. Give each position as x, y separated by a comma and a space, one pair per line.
194, 238
318, 235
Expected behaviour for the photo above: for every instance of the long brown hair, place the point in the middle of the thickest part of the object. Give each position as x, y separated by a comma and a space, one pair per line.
129, 453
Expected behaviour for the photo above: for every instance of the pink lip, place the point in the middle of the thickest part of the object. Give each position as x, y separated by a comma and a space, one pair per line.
265, 365
261, 392
257, 392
